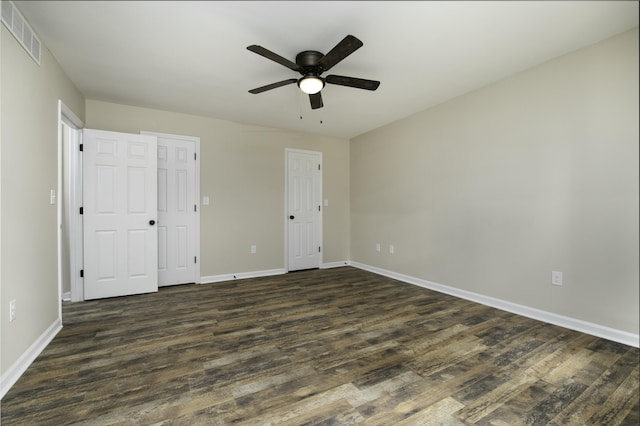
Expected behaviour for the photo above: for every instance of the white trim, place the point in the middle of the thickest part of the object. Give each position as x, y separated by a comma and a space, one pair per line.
77, 282
69, 117
60, 201
338, 264
66, 115
597, 330
13, 373
286, 203
66, 296
196, 140
241, 275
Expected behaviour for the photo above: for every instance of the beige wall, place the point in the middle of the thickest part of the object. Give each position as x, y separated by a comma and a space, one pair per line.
242, 171
29, 109
493, 190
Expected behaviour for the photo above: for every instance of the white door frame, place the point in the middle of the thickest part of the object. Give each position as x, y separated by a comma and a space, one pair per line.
196, 140
67, 116
286, 204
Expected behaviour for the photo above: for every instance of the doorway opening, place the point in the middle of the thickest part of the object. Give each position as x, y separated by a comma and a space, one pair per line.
69, 198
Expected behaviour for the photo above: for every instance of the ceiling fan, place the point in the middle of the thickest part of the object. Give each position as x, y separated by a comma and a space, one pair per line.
311, 64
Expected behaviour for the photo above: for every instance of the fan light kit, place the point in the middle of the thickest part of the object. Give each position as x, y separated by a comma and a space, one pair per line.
311, 64
311, 85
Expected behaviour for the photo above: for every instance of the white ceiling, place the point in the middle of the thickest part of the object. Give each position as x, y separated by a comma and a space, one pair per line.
191, 57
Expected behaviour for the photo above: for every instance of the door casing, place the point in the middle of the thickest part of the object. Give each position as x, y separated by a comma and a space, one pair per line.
74, 232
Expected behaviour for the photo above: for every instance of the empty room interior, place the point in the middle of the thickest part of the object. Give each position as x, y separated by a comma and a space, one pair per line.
335, 212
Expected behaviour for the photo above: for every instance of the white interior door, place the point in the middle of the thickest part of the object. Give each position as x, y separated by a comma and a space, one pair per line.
177, 210
304, 215
119, 214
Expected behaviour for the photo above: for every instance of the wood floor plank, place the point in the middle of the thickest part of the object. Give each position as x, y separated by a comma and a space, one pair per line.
621, 401
440, 413
322, 347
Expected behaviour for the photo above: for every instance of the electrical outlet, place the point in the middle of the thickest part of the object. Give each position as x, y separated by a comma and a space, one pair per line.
378, 247
392, 249
253, 249
12, 310
556, 277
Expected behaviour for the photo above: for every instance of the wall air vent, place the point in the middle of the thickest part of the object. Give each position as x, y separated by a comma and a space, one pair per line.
21, 30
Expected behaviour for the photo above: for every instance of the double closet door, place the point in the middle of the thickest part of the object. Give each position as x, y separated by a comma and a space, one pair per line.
140, 212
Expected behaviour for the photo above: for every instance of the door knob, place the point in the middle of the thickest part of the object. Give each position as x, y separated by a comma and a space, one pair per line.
292, 217
152, 222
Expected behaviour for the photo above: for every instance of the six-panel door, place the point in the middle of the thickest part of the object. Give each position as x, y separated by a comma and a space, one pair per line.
176, 211
303, 199
120, 214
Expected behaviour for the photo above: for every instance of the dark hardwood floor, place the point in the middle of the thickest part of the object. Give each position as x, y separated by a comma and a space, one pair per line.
339, 346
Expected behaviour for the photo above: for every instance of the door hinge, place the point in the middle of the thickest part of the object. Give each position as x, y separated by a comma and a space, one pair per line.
195, 259
81, 210
318, 249
81, 147
81, 273
195, 156
318, 167
318, 208
195, 207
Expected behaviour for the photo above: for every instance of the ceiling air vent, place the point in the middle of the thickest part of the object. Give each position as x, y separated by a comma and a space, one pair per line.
21, 30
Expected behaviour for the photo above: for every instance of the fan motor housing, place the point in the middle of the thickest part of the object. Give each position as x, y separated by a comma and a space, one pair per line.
308, 59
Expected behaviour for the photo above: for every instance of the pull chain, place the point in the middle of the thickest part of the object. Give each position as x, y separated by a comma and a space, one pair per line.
300, 103
301, 99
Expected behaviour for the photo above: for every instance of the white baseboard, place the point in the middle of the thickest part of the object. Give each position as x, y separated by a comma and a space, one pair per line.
11, 376
269, 272
241, 275
66, 296
338, 264
597, 330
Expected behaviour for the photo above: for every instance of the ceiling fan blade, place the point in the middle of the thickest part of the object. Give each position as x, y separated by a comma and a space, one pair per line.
316, 100
346, 47
358, 83
272, 86
274, 57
